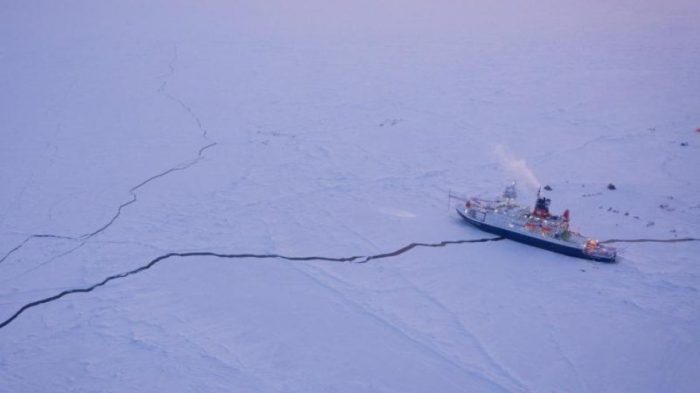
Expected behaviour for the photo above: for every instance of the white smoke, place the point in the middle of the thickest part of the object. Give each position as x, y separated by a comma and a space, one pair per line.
516, 167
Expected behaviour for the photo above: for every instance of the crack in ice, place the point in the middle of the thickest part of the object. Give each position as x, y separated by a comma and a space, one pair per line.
181, 167
685, 239
155, 261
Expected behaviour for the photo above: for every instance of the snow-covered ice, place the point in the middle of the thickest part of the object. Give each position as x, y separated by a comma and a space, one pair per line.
131, 130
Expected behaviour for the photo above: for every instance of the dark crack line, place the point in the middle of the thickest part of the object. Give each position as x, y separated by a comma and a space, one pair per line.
133, 190
182, 167
200, 155
686, 239
113, 219
155, 261
189, 110
414, 245
34, 236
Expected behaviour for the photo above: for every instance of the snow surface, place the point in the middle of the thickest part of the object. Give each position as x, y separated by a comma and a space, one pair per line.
133, 129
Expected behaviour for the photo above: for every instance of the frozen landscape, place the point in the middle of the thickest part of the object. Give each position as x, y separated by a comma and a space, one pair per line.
252, 196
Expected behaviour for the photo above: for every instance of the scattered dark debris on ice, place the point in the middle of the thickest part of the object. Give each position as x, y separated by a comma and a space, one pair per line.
592, 194
390, 122
666, 207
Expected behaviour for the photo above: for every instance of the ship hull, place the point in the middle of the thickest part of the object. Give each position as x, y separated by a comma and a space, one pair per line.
534, 241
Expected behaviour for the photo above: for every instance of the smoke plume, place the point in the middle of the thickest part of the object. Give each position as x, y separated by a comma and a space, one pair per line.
516, 167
